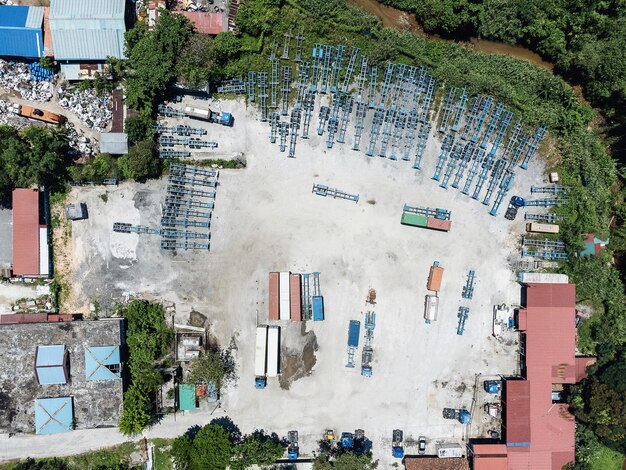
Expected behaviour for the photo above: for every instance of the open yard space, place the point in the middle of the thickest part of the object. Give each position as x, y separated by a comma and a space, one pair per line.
266, 219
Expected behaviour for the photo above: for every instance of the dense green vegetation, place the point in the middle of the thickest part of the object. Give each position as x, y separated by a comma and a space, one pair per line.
216, 447
36, 155
345, 461
148, 339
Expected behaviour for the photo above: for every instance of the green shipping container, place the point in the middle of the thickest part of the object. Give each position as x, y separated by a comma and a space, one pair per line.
416, 220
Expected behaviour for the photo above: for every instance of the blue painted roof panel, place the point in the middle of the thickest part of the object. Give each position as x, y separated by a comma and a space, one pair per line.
50, 355
96, 360
13, 16
53, 415
51, 375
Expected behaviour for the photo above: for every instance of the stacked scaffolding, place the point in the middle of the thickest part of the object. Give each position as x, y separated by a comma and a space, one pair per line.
284, 89
274, 84
262, 80
295, 127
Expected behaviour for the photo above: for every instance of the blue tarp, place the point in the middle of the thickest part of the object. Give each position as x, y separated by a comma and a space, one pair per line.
53, 415
96, 360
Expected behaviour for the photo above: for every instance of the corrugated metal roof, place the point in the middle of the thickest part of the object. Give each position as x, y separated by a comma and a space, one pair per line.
97, 358
21, 33
435, 463
35, 17
25, 232
518, 413
81, 9
115, 143
87, 44
187, 397
53, 415
205, 23
13, 16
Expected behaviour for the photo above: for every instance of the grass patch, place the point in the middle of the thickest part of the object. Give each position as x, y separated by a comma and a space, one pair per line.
104, 197
603, 458
162, 455
117, 457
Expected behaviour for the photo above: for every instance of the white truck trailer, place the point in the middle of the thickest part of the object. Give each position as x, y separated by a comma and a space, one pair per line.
260, 358
273, 351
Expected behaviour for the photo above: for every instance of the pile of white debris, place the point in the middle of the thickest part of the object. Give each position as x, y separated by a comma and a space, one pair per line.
16, 76
92, 110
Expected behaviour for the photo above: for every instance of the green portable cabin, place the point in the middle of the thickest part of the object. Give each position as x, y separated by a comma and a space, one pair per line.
414, 220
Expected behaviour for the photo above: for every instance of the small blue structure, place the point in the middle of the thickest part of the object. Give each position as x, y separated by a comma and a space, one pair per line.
21, 31
318, 308
102, 363
51, 364
54, 415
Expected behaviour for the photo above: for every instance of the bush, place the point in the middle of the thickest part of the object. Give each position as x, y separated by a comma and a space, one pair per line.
141, 162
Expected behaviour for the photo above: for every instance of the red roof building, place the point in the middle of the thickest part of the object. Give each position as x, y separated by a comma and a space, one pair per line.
539, 432
30, 244
205, 23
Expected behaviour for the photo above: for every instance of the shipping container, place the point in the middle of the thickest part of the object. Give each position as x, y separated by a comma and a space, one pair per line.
284, 300
415, 220
273, 298
439, 224
198, 113
431, 308
449, 451
318, 308
260, 358
434, 278
537, 227
273, 351
353, 333
542, 278
294, 293
41, 115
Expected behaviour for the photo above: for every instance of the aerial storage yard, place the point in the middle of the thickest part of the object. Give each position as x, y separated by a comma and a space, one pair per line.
267, 223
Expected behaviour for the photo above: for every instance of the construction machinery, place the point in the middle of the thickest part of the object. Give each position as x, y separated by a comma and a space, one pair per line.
329, 436
492, 386
205, 114
353, 341
368, 351
461, 415
397, 450
347, 440
292, 449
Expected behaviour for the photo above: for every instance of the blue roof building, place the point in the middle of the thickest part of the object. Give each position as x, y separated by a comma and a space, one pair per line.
21, 31
51, 365
102, 363
54, 415
87, 30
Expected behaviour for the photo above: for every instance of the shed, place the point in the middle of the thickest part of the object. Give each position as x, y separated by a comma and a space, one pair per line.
53, 415
187, 397
87, 31
21, 31
115, 143
27, 236
51, 364
102, 362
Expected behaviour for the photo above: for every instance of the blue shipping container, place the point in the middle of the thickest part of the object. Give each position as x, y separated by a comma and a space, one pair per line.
318, 308
353, 333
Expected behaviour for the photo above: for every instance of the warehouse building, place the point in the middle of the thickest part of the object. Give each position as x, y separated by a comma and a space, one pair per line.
84, 34
538, 428
31, 254
60, 376
21, 31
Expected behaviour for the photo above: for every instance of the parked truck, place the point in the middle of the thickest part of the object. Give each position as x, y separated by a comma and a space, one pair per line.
397, 450
40, 115
366, 361
217, 117
292, 449
492, 386
536, 227
431, 308
461, 415
434, 277
260, 358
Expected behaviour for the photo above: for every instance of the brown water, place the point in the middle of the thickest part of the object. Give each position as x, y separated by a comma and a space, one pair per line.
403, 21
